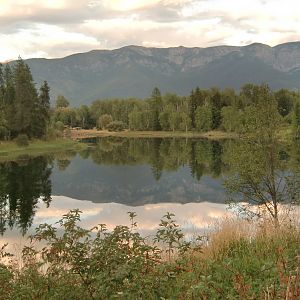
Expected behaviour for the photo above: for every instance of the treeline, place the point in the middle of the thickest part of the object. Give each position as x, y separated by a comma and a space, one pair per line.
23, 109
202, 110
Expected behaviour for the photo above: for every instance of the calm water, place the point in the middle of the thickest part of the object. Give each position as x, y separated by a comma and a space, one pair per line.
114, 176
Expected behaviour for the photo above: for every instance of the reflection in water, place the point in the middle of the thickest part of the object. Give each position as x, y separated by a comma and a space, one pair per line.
22, 184
169, 154
193, 217
134, 172
142, 171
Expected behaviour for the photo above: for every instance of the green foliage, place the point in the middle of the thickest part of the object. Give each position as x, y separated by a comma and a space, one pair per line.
40, 121
185, 122
3, 132
61, 102
231, 119
104, 120
136, 121
257, 165
170, 234
115, 126
216, 106
285, 101
83, 116
204, 118
76, 263
174, 120
203, 110
59, 126
22, 109
296, 122
156, 108
164, 120
22, 140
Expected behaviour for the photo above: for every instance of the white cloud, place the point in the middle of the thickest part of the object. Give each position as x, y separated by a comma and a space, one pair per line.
39, 40
54, 28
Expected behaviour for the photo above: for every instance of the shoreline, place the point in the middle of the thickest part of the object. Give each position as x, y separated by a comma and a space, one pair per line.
92, 133
10, 150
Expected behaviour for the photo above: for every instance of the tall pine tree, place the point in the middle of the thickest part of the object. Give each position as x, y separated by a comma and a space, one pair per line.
41, 115
156, 107
26, 99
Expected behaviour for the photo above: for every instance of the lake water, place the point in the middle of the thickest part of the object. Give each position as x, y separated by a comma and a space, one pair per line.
112, 177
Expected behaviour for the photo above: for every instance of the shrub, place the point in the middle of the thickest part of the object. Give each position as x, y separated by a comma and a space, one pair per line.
3, 132
22, 140
115, 126
59, 126
75, 263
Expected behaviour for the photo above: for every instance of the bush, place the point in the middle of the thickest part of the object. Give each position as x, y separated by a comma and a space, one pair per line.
53, 133
115, 126
59, 126
3, 132
22, 140
232, 263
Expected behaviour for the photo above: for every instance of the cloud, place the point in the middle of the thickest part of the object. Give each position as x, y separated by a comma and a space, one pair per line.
30, 27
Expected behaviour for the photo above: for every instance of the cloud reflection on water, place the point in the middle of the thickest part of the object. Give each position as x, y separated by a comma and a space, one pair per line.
193, 217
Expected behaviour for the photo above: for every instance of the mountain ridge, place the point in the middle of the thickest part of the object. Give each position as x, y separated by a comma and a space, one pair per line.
133, 71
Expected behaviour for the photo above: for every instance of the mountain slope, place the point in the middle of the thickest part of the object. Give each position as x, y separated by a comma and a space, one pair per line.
133, 71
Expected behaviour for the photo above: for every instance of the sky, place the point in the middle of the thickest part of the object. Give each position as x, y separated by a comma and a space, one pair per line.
57, 28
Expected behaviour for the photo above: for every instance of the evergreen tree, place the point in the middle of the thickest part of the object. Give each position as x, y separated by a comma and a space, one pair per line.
41, 115
2, 112
203, 118
216, 109
26, 99
9, 100
192, 108
156, 105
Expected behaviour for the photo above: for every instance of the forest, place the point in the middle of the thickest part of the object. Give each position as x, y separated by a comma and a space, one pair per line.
26, 111
202, 110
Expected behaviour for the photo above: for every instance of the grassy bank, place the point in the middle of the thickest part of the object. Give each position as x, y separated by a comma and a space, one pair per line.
238, 260
10, 150
214, 135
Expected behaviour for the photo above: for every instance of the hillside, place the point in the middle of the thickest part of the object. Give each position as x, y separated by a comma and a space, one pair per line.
133, 71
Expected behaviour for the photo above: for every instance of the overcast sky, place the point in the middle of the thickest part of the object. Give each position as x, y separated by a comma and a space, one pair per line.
56, 28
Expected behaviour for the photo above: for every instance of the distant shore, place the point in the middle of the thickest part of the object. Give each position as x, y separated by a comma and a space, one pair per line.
91, 133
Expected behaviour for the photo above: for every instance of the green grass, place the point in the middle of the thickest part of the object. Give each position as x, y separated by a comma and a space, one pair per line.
10, 150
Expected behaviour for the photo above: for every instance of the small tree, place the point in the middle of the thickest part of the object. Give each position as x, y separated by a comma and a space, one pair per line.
61, 102
259, 175
231, 118
104, 120
296, 122
186, 122
115, 126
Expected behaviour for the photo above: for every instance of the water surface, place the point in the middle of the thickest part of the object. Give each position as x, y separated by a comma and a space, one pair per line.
114, 176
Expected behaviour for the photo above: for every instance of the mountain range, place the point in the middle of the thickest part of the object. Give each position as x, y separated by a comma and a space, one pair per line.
133, 71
